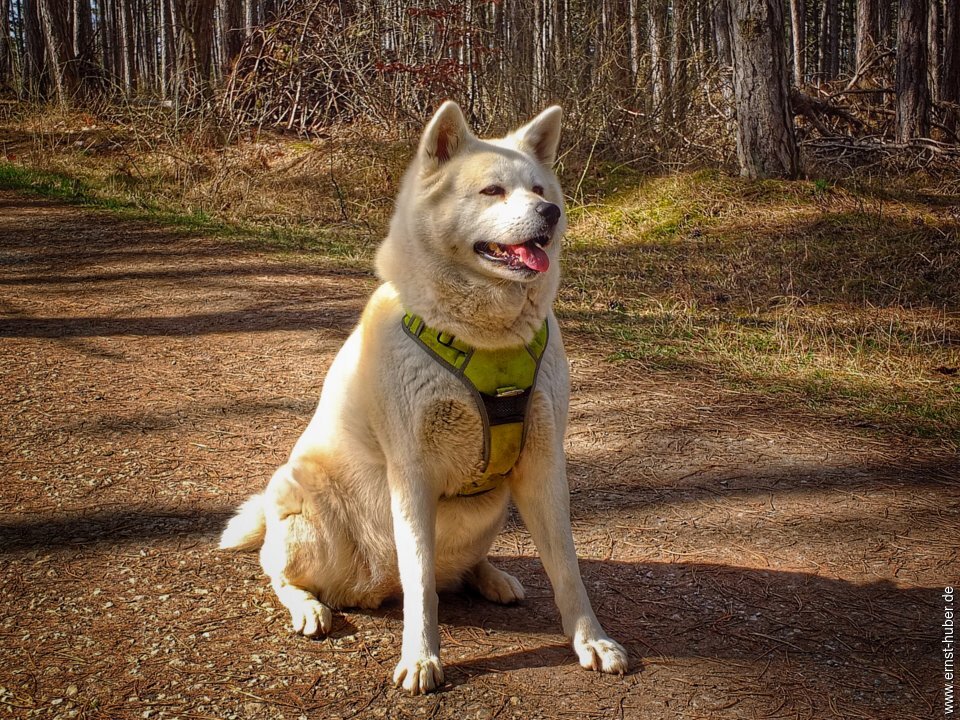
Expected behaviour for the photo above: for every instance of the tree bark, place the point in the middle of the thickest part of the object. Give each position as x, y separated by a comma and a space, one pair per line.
829, 39
798, 25
934, 66
127, 39
886, 19
233, 21
721, 35
766, 146
168, 52
866, 32
34, 51
250, 16
950, 77
83, 50
913, 95
60, 65
659, 60
6, 56
834, 38
680, 57
634, 20
196, 47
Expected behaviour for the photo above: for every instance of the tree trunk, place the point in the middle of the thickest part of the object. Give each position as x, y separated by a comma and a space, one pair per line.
680, 57
721, 25
834, 38
950, 77
60, 67
766, 146
659, 67
250, 16
196, 45
34, 60
233, 21
886, 19
536, 88
169, 71
104, 40
6, 56
829, 39
934, 66
721, 34
867, 20
83, 50
913, 96
634, 20
127, 39
116, 43
798, 25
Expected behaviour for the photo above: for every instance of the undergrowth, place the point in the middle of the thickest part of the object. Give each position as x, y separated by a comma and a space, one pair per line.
835, 295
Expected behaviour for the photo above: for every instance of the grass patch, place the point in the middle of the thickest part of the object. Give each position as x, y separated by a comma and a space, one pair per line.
842, 298
334, 244
16, 177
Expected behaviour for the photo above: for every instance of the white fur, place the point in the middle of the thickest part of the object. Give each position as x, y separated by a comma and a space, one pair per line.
367, 507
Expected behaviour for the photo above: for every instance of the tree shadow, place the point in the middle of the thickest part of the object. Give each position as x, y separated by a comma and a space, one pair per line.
193, 414
111, 527
869, 644
864, 642
180, 274
597, 488
861, 642
266, 317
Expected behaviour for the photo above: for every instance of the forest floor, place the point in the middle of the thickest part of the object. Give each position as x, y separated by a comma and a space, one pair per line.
758, 556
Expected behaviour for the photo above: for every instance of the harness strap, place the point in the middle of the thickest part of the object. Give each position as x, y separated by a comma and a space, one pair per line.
501, 383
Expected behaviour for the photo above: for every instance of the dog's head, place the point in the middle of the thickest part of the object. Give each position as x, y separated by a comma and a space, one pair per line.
487, 215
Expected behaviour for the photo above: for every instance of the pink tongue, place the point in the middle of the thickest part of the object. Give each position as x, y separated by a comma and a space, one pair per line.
531, 255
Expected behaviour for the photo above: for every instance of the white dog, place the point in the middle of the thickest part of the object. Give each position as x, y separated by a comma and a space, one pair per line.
401, 480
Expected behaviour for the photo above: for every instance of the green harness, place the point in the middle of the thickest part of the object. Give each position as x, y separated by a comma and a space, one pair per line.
501, 382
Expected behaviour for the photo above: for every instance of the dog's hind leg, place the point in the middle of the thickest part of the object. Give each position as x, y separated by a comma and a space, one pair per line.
308, 615
293, 553
494, 584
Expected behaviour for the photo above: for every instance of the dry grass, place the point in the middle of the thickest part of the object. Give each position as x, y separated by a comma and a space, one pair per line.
836, 295
843, 297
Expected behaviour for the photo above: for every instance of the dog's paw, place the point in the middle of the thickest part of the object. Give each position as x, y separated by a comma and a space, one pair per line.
495, 584
602, 654
418, 675
311, 617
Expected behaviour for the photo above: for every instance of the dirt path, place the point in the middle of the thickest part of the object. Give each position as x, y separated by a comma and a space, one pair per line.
756, 564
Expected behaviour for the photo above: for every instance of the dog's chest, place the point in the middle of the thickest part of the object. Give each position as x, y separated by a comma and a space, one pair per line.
451, 433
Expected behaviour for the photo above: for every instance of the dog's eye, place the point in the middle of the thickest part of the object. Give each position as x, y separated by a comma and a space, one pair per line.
493, 190
538, 190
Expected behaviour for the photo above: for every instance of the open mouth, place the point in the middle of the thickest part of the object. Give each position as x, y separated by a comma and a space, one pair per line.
525, 256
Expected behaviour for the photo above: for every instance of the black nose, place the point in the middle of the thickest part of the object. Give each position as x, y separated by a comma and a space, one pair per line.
549, 212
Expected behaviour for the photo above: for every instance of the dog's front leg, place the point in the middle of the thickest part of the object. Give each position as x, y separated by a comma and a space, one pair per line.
542, 496
414, 511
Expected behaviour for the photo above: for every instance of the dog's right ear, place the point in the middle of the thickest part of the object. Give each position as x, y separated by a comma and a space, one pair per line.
445, 135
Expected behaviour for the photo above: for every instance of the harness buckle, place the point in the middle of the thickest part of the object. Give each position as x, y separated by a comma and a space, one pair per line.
509, 391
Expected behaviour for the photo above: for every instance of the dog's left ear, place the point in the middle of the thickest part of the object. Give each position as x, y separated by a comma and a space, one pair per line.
445, 135
541, 136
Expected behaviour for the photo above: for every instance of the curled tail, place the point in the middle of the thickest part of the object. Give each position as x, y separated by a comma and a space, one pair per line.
247, 528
